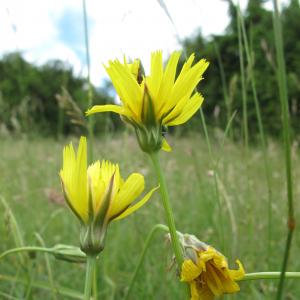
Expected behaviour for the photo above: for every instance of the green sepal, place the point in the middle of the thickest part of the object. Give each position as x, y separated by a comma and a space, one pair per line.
149, 138
148, 113
92, 239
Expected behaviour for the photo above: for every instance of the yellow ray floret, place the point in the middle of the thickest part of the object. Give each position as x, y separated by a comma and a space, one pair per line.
209, 275
172, 98
87, 188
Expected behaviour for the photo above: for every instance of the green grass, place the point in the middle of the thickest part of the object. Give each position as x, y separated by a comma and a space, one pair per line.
30, 167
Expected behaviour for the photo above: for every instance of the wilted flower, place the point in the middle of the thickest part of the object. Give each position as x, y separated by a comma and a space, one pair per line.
97, 194
153, 102
207, 270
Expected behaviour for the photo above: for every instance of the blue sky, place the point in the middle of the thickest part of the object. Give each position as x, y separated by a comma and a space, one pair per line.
71, 33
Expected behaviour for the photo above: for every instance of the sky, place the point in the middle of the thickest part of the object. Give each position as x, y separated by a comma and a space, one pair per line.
53, 29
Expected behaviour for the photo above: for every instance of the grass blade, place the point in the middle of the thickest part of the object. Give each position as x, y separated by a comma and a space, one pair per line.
282, 86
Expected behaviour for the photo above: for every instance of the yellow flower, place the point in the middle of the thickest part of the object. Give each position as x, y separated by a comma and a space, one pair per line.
97, 194
207, 272
150, 103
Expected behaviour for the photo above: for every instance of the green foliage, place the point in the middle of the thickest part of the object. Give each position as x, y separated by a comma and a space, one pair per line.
258, 21
28, 96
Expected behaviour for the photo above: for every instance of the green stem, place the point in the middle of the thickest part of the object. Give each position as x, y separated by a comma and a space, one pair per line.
282, 85
90, 266
167, 206
168, 211
95, 283
25, 249
142, 257
270, 275
90, 89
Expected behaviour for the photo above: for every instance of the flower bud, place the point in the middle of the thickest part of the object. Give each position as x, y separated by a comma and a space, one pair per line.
97, 195
68, 253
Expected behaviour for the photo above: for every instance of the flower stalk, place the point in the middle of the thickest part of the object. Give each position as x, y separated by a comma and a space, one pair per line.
270, 275
90, 268
154, 156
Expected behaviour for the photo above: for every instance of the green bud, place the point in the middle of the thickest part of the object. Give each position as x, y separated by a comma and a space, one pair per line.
68, 253
149, 138
92, 239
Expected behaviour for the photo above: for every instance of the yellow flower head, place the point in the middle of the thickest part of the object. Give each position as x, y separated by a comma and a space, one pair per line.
160, 99
207, 271
97, 194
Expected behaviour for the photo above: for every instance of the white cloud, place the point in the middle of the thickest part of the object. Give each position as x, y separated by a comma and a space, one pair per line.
128, 30
117, 27
55, 51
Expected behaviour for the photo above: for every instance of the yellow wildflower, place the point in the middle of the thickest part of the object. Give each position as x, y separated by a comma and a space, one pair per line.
97, 194
150, 103
207, 271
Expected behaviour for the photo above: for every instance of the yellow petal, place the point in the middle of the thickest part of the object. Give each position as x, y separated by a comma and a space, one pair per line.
97, 186
114, 79
107, 171
194, 291
130, 190
108, 107
213, 280
237, 274
130, 92
187, 66
205, 293
230, 286
189, 271
154, 80
136, 206
167, 82
185, 85
176, 111
189, 110
74, 177
208, 254
80, 179
219, 261
165, 146
173, 99
170, 71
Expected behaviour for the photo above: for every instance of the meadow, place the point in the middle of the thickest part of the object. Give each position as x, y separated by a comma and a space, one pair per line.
231, 215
